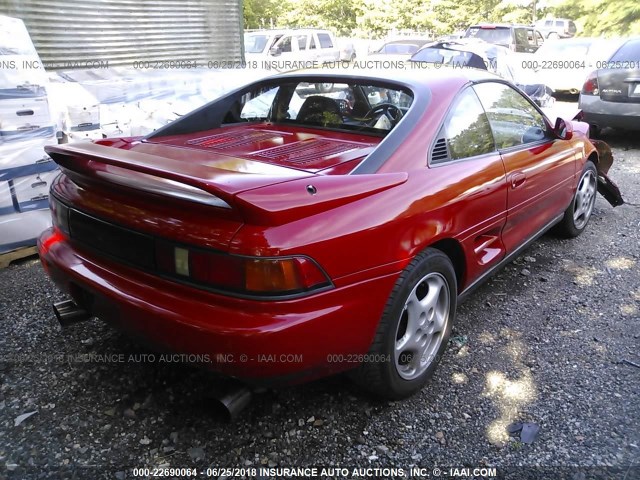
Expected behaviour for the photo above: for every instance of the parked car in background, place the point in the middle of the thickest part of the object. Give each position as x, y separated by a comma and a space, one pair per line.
473, 53
564, 64
517, 38
323, 233
610, 96
404, 47
347, 50
291, 45
554, 28
258, 43
305, 45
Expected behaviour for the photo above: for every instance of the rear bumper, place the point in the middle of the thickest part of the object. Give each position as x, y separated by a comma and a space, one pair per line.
610, 114
273, 341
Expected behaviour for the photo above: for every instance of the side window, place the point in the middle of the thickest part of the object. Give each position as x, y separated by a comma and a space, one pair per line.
466, 129
513, 119
302, 42
521, 36
325, 40
253, 106
539, 38
312, 45
285, 45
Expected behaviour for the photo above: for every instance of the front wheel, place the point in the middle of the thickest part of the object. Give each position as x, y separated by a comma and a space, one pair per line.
414, 328
579, 211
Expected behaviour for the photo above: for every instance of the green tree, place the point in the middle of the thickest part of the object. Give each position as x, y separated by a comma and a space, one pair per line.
600, 17
263, 13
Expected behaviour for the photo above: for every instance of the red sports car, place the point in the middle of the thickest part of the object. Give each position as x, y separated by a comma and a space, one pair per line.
279, 234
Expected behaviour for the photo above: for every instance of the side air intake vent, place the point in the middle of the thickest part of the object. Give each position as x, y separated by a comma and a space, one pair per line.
440, 152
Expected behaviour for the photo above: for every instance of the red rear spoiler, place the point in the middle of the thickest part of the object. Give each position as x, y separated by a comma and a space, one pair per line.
261, 199
78, 158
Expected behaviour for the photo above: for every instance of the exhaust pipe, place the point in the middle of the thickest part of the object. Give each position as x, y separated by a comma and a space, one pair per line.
68, 313
231, 401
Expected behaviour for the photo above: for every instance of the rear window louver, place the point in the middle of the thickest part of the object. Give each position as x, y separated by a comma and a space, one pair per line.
223, 141
306, 151
440, 151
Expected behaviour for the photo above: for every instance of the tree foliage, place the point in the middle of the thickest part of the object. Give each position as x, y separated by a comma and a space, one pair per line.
376, 18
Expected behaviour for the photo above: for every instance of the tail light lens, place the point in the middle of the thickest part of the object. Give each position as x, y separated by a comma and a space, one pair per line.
590, 86
242, 274
258, 276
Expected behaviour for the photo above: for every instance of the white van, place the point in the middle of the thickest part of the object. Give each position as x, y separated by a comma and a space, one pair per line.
297, 45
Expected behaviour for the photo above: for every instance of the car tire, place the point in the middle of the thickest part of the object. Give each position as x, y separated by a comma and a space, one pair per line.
414, 328
553, 36
594, 131
577, 215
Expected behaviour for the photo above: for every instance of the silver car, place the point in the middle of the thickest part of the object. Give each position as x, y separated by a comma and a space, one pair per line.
610, 96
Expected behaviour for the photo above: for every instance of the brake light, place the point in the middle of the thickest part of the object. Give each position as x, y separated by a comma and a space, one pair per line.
54, 237
590, 86
242, 274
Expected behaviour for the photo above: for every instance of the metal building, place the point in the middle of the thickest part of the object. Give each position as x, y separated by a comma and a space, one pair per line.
69, 33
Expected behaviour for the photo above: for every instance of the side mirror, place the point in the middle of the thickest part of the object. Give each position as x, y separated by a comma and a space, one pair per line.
563, 129
275, 51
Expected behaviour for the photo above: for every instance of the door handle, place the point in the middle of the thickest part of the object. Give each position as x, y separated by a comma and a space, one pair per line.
517, 179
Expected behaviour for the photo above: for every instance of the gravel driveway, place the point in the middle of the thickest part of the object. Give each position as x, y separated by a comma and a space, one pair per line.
553, 341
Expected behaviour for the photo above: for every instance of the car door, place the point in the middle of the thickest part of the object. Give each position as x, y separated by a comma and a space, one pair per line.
286, 49
467, 168
540, 169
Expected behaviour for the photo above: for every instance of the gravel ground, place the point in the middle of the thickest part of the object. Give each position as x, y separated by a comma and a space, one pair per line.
546, 341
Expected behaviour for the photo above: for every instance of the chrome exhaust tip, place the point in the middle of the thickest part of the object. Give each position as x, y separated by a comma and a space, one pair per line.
231, 401
68, 313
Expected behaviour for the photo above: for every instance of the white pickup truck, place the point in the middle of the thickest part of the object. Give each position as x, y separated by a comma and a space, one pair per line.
291, 46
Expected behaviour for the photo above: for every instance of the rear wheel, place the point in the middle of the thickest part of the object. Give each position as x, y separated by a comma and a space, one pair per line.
578, 213
414, 329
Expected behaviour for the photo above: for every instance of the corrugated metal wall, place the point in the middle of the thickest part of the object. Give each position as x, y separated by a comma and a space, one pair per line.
74, 32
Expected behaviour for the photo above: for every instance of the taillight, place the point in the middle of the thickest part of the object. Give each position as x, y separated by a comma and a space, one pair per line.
242, 274
590, 86
47, 242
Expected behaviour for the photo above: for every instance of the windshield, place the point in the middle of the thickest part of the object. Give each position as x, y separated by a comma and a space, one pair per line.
255, 43
564, 48
399, 48
499, 35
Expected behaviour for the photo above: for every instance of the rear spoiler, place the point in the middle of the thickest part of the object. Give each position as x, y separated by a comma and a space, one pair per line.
77, 158
260, 199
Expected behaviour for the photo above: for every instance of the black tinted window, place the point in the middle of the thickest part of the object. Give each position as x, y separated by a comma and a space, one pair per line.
285, 45
466, 128
513, 119
325, 40
521, 36
629, 52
